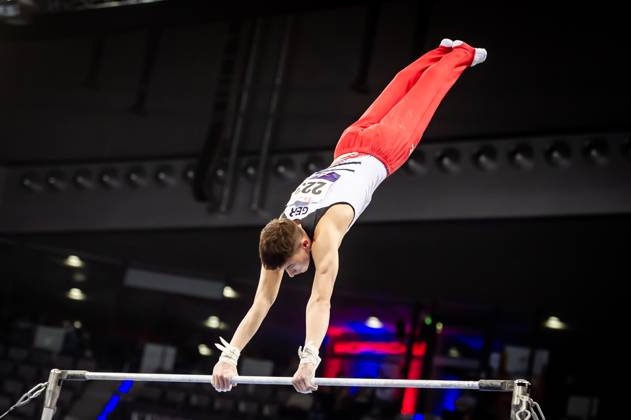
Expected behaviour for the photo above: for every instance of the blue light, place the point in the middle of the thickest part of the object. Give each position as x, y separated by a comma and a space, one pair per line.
363, 329
111, 404
125, 387
366, 369
449, 399
418, 416
476, 343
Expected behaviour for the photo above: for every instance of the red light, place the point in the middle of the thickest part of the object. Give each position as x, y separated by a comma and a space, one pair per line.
410, 395
393, 347
337, 331
359, 347
332, 368
419, 349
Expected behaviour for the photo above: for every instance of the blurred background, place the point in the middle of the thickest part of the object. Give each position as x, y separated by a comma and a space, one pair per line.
143, 145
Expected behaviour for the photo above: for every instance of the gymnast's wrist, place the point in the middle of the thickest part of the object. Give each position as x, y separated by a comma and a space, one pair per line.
229, 353
309, 355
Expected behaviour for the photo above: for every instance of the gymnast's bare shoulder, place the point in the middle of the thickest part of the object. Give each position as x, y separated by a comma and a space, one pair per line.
335, 221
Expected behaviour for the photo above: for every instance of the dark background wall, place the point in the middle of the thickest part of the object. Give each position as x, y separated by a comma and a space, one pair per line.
549, 70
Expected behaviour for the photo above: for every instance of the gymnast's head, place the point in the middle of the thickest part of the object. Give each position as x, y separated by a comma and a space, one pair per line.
284, 245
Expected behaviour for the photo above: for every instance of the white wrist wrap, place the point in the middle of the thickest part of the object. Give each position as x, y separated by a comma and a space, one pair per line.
229, 353
309, 354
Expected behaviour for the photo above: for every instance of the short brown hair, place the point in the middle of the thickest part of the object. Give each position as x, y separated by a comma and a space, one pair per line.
278, 241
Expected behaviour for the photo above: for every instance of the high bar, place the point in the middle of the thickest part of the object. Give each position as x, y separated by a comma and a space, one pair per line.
480, 385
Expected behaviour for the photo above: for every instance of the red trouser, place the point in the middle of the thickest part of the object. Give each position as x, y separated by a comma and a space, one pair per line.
394, 123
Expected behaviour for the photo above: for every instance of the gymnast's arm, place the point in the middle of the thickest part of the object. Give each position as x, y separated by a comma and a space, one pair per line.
326, 259
226, 368
266, 292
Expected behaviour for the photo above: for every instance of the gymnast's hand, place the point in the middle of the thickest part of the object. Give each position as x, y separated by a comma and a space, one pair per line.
303, 378
222, 373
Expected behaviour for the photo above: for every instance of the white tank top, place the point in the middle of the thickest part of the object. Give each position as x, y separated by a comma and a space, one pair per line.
352, 178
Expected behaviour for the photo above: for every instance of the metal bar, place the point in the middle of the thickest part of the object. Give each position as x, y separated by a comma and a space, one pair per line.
57, 377
261, 174
481, 385
71, 6
271, 380
244, 99
210, 157
154, 35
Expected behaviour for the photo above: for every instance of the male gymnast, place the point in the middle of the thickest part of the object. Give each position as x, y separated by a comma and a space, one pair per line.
328, 202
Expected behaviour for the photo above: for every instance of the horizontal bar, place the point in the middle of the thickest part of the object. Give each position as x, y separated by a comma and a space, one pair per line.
482, 385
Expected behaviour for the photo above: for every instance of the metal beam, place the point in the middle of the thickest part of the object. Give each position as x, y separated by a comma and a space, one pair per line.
525, 177
272, 116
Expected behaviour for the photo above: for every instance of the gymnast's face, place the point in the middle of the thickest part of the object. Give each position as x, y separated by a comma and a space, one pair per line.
299, 262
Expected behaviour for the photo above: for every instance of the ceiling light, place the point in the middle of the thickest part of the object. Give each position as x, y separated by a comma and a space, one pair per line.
555, 323
109, 178
314, 164
56, 180
73, 261
522, 156
75, 294
486, 158
137, 177
597, 151
374, 322
285, 169
204, 350
449, 160
212, 322
229, 292
32, 182
453, 352
559, 154
417, 163
84, 179
165, 176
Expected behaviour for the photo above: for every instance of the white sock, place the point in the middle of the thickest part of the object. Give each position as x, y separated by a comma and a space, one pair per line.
480, 53
479, 57
446, 43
